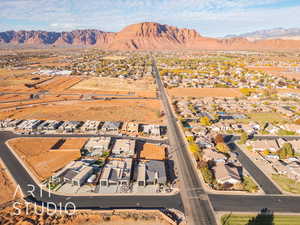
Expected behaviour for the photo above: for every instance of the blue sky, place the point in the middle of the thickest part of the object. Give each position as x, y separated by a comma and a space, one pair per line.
208, 17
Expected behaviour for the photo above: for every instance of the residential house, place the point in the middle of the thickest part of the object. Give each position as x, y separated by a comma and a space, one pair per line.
76, 173
90, 125
123, 148
130, 127
97, 146
151, 129
291, 127
116, 172
150, 173
211, 155
272, 129
109, 126
225, 174
70, 126
261, 145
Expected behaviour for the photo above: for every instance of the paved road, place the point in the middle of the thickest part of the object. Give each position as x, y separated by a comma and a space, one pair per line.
196, 202
264, 182
231, 203
266, 137
247, 203
154, 141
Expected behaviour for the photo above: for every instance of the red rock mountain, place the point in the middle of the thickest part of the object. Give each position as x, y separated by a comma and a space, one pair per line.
142, 36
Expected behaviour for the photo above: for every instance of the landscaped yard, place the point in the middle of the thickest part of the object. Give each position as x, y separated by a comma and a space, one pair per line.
260, 220
287, 184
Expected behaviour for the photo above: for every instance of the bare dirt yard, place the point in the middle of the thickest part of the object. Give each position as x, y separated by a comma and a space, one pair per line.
87, 218
146, 111
73, 144
38, 156
205, 92
7, 186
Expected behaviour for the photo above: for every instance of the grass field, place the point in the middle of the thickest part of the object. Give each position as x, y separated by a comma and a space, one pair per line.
263, 117
266, 117
287, 184
260, 220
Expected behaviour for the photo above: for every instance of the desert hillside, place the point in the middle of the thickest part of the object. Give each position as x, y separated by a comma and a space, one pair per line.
142, 36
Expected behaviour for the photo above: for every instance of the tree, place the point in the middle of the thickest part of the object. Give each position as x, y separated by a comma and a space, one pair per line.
286, 151
297, 122
222, 147
194, 147
190, 139
266, 152
105, 154
205, 121
207, 175
249, 185
244, 137
219, 139
264, 218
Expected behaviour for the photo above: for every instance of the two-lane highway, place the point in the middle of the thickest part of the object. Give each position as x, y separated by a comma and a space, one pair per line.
196, 202
220, 202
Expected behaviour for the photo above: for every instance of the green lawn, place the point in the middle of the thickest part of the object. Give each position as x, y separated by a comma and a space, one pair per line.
261, 220
287, 184
263, 117
266, 117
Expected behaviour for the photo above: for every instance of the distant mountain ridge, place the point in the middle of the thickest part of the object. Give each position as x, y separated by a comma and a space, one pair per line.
141, 36
276, 33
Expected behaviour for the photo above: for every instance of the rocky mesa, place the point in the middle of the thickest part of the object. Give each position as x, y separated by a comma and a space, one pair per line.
142, 36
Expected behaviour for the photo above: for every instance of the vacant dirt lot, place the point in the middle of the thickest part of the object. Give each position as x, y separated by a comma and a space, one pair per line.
74, 144
87, 218
11, 72
7, 186
147, 111
13, 97
18, 83
205, 92
58, 84
114, 84
43, 100
40, 159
